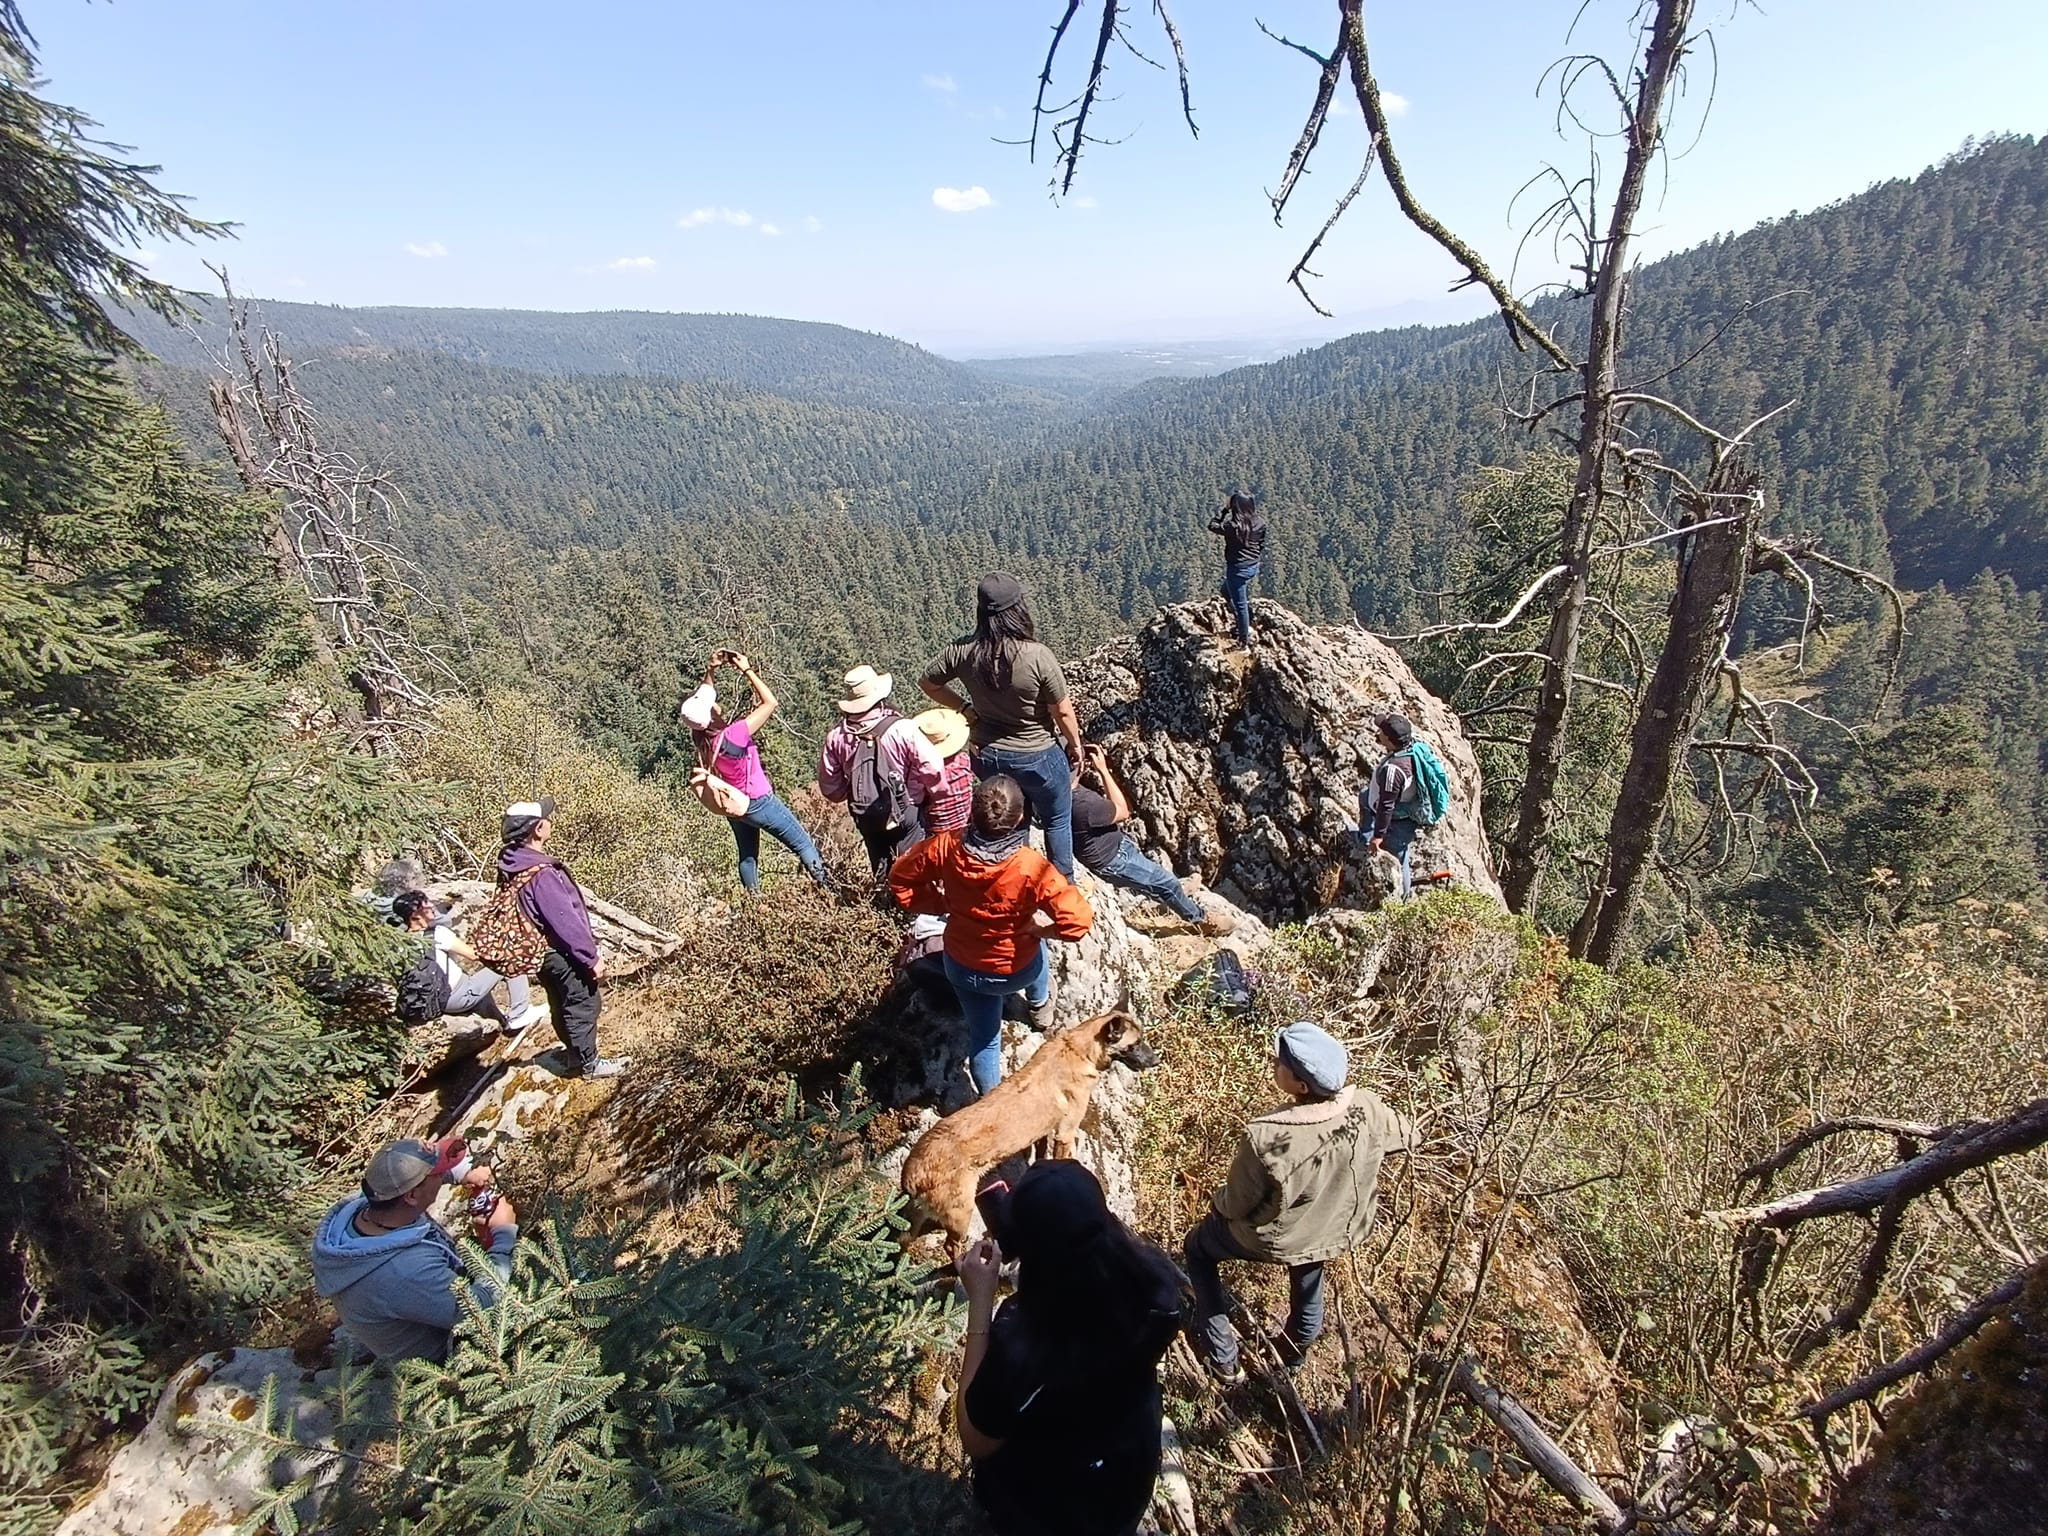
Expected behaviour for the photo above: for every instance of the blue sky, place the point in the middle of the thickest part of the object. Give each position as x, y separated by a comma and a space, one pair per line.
840, 161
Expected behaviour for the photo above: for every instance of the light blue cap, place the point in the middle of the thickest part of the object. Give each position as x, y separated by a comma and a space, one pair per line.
1313, 1055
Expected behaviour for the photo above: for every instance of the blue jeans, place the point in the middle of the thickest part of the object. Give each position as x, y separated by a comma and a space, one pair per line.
1400, 835
1207, 1247
981, 995
768, 814
1047, 779
1237, 591
1134, 872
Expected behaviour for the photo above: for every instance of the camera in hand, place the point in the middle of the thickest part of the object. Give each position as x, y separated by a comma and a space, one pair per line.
994, 1204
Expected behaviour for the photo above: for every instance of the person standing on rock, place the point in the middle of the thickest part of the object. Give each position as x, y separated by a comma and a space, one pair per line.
1017, 699
1393, 804
727, 749
1243, 527
1302, 1189
1059, 1390
553, 902
878, 765
388, 1266
1100, 813
1001, 899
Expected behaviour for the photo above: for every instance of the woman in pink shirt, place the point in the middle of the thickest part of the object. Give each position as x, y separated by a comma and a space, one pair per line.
727, 748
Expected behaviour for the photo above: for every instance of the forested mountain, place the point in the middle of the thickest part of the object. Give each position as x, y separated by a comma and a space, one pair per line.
799, 358
842, 491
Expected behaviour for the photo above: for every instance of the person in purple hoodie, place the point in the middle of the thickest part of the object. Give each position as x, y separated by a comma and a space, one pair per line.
550, 896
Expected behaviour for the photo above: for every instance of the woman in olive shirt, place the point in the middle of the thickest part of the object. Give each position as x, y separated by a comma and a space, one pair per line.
1017, 700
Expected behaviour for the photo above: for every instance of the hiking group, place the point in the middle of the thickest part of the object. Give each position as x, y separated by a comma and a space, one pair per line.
1058, 1407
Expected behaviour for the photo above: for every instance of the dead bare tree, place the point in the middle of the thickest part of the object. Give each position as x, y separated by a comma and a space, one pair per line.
331, 535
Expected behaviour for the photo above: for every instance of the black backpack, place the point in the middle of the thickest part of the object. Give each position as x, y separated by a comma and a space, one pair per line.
423, 989
875, 791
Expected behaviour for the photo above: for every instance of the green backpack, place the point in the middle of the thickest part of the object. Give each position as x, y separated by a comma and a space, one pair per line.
1432, 787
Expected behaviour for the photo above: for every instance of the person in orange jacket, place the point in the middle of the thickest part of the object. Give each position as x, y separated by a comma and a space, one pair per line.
1001, 899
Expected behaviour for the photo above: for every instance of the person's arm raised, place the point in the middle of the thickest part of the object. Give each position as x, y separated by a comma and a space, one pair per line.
978, 1269
764, 696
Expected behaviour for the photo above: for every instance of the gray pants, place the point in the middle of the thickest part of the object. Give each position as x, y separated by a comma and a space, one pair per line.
475, 994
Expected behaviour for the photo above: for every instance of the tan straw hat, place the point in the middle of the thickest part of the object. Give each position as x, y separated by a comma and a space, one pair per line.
944, 728
865, 688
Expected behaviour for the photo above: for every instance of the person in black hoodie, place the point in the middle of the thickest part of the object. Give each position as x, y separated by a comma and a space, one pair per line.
1243, 527
552, 899
1059, 1395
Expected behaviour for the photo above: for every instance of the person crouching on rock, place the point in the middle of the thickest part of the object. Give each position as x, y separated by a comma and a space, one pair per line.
551, 898
386, 1264
1100, 811
1001, 900
1059, 1391
726, 747
1302, 1189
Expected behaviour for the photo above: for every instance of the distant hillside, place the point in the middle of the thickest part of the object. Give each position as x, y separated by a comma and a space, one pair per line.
790, 357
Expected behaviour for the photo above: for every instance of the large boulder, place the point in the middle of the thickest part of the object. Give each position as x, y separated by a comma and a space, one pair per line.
1245, 769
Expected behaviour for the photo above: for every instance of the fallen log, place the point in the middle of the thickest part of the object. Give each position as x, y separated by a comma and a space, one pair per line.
1534, 1442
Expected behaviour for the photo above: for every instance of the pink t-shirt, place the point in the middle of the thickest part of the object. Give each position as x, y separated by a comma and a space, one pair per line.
738, 762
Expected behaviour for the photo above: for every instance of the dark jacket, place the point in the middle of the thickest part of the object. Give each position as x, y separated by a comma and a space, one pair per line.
554, 901
1242, 549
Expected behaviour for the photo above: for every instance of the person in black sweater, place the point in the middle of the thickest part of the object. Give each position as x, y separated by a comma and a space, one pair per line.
1059, 1396
1243, 527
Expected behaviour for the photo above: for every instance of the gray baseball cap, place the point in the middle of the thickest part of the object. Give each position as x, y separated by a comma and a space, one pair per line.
1313, 1055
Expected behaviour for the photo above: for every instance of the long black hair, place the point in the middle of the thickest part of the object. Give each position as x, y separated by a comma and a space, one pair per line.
996, 637
1095, 1296
1242, 514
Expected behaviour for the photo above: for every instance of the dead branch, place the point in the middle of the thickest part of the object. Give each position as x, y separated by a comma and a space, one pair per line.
1528, 596
1301, 267
1971, 1146
1762, 1172
1332, 66
1544, 1453
1965, 1326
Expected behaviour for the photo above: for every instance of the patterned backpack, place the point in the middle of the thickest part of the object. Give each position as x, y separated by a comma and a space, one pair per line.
503, 937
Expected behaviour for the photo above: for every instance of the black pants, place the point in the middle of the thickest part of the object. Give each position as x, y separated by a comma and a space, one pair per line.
885, 848
573, 1005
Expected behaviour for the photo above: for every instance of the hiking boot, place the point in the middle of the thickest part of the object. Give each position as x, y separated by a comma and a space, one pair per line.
1215, 924
1041, 1013
606, 1066
1291, 1354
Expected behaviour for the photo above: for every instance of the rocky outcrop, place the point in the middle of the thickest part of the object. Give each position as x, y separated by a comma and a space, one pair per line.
1245, 770
196, 1470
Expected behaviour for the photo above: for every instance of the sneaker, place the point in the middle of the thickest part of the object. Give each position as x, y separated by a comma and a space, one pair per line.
1215, 924
607, 1066
532, 1013
1233, 1376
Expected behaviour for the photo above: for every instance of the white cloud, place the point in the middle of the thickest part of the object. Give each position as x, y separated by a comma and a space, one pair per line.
632, 264
698, 217
945, 83
770, 229
1084, 201
960, 199
1392, 105
812, 224
425, 248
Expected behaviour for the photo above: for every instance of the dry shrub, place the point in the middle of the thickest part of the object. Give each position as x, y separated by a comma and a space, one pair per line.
627, 838
778, 991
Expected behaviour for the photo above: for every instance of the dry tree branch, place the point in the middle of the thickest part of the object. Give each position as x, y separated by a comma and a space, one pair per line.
1332, 67
1301, 267
1528, 596
1965, 1326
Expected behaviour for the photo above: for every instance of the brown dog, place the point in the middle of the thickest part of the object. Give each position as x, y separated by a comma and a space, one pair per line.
1045, 1101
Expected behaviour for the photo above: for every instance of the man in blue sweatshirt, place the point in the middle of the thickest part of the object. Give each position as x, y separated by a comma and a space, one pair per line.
388, 1266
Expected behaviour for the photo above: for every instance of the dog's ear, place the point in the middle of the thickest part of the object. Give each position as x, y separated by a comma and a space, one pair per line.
1119, 1029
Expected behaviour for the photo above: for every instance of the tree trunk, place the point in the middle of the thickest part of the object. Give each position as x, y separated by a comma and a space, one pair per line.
1712, 565
1536, 810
